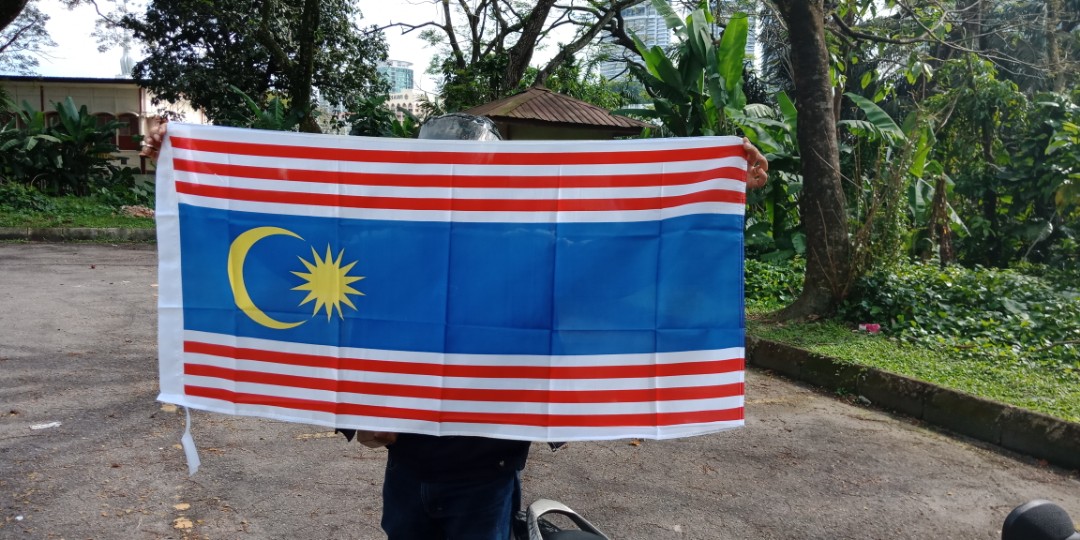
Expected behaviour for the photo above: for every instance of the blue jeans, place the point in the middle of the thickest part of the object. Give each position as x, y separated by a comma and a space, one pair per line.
461, 510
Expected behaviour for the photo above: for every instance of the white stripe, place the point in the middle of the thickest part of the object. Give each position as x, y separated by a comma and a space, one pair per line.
446, 216
521, 193
558, 385
305, 140
442, 169
633, 359
447, 405
505, 431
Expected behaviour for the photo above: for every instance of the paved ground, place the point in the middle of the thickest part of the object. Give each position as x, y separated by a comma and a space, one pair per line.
77, 346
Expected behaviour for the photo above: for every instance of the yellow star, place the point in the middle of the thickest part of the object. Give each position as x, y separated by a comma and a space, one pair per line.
327, 283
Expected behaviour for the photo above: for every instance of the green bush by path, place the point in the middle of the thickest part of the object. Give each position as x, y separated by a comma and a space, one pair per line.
1030, 318
1033, 387
26, 208
1008, 335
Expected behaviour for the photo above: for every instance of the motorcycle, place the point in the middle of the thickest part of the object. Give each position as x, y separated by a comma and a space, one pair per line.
535, 523
1039, 520
1034, 520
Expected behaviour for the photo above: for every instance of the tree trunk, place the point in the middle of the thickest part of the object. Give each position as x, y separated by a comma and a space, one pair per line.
304, 68
1054, 62
10, 10
521, 53
821, 204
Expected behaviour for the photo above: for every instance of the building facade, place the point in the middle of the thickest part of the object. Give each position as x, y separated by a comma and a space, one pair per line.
107, 99
644, 22
399, 74
407, 100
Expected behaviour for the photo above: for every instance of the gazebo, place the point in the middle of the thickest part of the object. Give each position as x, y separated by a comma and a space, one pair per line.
540, 114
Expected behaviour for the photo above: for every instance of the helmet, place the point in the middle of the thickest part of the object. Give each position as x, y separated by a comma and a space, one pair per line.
460, 126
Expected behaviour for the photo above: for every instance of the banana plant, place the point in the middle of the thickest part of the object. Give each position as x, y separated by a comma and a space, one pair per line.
275, 116
698, 90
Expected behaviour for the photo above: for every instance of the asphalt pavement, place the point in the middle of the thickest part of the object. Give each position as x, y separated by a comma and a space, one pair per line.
87, 452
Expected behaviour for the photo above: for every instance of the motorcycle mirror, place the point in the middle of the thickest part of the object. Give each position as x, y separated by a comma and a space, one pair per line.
1039, 520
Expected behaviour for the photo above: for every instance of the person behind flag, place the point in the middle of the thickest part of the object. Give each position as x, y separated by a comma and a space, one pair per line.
465, 487
456, 487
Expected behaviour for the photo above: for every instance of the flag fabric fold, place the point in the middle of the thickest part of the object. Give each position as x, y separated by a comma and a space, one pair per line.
543, 290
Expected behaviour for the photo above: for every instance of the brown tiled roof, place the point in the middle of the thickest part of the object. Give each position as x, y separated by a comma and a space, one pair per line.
541, 104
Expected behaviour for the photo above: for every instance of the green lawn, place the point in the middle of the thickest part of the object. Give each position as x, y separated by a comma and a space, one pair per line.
1047, 389
73, 212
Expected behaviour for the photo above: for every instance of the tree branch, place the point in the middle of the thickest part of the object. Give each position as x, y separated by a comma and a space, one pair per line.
584, 39
15, 37
11, 11
266, 37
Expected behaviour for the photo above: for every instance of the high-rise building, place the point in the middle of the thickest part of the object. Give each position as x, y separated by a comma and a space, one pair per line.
648, 25
399, 74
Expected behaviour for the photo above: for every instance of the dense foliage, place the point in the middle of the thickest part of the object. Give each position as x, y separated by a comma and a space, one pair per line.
264, 48
771, 286
1008, 335
1004, 314
70, 156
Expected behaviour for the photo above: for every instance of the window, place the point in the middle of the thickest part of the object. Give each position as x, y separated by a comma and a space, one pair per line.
128, 132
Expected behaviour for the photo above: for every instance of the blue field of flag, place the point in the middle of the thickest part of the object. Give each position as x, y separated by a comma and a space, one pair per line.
479, 288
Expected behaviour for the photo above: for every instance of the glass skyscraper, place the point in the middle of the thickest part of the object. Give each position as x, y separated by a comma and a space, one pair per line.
648, 25
399, 74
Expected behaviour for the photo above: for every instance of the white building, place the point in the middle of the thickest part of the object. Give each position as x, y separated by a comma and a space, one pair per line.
409, 100
108, 99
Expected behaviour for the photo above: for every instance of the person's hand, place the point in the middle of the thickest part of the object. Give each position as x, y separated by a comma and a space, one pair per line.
757, 167
154, 139
375, 439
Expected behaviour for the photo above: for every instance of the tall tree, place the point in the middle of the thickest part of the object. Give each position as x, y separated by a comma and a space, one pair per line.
295, 49
822, 203
487, 46
22, 41
10, 10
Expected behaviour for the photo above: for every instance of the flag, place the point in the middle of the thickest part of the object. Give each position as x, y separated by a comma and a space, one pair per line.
540, 290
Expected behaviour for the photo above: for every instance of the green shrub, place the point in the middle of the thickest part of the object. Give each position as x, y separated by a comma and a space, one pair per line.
20, 198
1002, 314
126, 188
772, 285
71, 157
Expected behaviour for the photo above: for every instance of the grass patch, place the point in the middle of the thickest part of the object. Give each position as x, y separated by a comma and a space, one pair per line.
72, 211
1033, 386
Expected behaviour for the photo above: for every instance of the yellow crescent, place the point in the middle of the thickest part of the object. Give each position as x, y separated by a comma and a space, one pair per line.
238, 252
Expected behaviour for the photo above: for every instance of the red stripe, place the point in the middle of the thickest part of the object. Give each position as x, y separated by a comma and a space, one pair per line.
523, 419
459, 181
488, 372
468, 394
460, 205
458, 158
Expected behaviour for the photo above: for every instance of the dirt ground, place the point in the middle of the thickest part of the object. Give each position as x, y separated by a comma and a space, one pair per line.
86, 452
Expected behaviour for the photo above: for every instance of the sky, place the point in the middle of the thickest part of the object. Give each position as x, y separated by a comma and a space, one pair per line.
76, 53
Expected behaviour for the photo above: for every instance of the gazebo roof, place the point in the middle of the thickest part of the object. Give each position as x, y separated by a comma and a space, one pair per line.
539, 104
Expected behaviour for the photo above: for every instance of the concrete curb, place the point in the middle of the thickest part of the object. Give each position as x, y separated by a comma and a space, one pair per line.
1038, 435
77, 233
